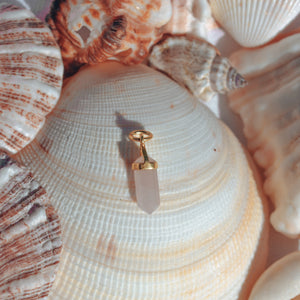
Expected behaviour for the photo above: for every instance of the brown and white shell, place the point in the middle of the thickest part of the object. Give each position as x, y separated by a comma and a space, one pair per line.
95, 31
196, 64
31, 72
270, 110
30, 235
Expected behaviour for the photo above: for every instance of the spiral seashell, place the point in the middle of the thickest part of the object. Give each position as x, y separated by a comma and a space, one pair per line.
210, 219
254, 22
280, 281
95, 31
30, 235
270, 109
195, 64
30, 76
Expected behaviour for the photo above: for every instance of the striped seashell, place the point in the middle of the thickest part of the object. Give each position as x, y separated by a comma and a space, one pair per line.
30, 76
95, 31
254, 22
211, 217
196, 64
270, 109
30, 235
280, 281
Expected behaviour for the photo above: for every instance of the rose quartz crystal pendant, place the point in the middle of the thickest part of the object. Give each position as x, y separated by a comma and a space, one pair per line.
145, 174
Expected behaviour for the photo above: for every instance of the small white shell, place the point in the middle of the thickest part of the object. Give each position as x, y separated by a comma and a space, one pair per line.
30, 76
190, 17
30, 235
196, 64
281, 281
210, 220
270, 109
254, 22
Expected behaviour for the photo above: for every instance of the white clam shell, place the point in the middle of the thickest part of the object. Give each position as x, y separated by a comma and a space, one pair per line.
211, 217
254, 22
30, 235
281, 281
270, 109
30, 76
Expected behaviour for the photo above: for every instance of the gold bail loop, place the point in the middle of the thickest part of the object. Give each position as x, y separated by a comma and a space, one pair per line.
142, 136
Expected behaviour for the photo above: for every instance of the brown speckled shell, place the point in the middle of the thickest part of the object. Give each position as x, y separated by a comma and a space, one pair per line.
30, 76
30, 235
92, 32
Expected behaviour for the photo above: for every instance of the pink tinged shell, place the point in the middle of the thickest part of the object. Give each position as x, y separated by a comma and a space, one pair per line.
196, 64
190, 17
254, 22
30, 76
270, 109
30, 235
92, 32
280, 281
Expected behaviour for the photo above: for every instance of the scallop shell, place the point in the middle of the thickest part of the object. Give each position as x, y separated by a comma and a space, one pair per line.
270, 109
254, 22
211, 217
30, 76
95, 31
196, 64
281, 281
30, 236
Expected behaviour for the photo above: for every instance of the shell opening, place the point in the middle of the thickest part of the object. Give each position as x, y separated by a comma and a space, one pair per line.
235, 80
84, 33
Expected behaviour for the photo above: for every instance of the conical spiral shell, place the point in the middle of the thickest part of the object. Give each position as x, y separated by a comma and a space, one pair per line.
270, 109
199, 244
196, 64
254, 22
30, 235
30, 76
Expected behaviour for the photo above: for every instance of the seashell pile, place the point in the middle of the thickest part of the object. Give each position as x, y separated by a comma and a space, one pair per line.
281, 281
211, 217
254, 22
31, 72
196, 64
95, 31
30, 235
208, 238
270, 109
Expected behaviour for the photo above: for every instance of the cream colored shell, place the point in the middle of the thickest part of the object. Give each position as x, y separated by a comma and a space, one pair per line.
281, 281
270, 109
254, 22
30, 235
195, 64
30, 76
191, 17
200, 243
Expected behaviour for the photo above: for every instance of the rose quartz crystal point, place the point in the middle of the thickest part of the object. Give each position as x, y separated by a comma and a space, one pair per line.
146, 188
